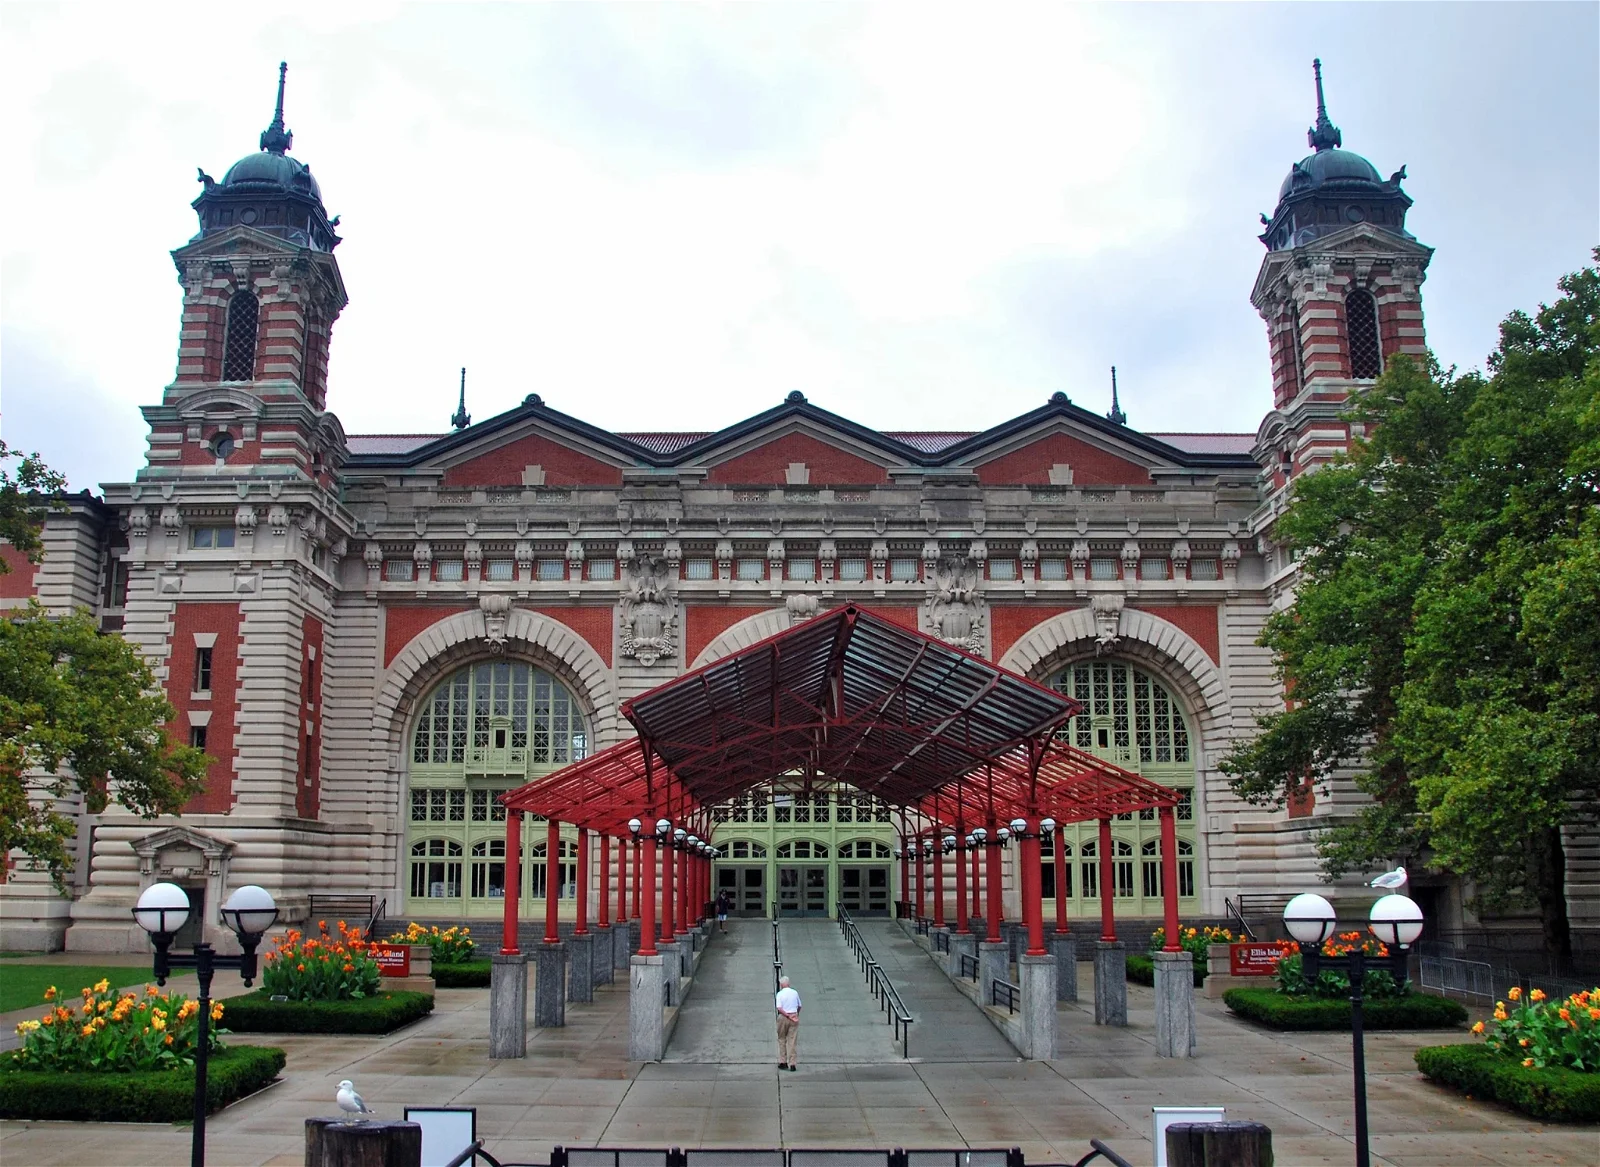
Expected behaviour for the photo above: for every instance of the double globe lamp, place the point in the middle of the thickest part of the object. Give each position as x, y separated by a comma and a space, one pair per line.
1396, 921
163, 908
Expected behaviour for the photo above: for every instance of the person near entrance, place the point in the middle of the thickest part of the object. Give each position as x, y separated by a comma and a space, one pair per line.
788, 1024
723, 904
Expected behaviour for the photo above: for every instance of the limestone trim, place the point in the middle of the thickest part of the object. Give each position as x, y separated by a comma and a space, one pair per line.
743, 634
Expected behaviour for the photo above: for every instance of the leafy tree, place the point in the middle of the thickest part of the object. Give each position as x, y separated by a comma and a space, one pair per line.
80, 712
1446, 625
23, 502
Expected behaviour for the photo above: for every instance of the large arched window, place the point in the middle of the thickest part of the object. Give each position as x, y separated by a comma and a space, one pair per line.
1361, 328
1128, 716
239, 347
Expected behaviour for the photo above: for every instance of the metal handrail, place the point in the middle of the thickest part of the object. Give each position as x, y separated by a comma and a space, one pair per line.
941, 941
1012, 991
969, 962
1234, 912
883, 990
777, 959
1101, 1151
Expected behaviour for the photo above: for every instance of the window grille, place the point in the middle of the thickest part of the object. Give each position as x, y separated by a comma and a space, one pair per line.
1052, 569
1184, 811
1203, 569
1090, 869
1361, 329
903, 568
239, 350
1122, 869
551, 569
602, 568
399, 569
449, 570
852, 570
207, 538
500, 569
819, 808
1102, 567
1002, 569
1152, 569
749, 568
699, 569
801, 569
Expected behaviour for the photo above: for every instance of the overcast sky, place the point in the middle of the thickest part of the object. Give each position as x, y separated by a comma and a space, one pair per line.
669, 216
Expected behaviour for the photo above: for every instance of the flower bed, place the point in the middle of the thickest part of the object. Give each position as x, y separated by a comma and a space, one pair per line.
137, 1096
449, 945
1284, 1011
109, 1032
320, 968
1195, 941
1142, 971
1552, 1092
468, 974
379, 1013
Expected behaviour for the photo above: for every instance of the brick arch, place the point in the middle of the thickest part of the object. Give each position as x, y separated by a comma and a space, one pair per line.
460, 639
743, 634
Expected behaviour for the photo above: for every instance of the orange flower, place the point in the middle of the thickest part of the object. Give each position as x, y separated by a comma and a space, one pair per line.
349, 967
1527, 1061
1564, 1013
299, 968
1536, 996
322, 925
1478, 1028
169, 1039
1594, 1014
50, 993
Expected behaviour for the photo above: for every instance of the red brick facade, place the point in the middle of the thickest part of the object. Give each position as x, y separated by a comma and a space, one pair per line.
308, 760
1030, 466
562, 466
826, 465
221, 700
402, 622
16, 584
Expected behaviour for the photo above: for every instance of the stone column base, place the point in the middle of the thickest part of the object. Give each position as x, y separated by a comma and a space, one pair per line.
1064, 947
622, 944
994, 963
961, 943
647, 1031
1037, 976
602, 969
1110, 983
550, 985
580, 967
508, 1006
672, 969
1175, 1037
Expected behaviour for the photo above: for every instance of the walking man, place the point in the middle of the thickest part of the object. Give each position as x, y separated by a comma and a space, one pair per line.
723, 904
788, 1024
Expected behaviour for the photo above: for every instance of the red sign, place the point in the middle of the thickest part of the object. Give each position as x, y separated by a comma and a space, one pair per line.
1246, 959
394, 960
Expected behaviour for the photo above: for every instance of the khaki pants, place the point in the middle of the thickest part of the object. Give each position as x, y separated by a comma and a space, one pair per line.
788, 1037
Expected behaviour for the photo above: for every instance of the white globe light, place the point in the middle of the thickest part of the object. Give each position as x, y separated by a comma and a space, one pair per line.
162, 907
694, 840
898, 853
1309, 918
663, 826
1396, 920
979, 834
250, 910
1047, 826
634, 825
1003, 834
679, 834
1019, 826
949, 841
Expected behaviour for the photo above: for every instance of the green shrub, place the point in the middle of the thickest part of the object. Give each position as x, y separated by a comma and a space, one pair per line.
1555, 1092
1541, 1032
139, 1096
472, 974
1142, 971
1281, 1011
382, 1013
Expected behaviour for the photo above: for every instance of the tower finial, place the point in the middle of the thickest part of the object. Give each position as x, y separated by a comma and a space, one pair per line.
462, 419
1324, 135
1116, 416
275, 139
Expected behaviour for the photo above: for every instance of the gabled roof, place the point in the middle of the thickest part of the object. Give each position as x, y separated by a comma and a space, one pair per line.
854, 698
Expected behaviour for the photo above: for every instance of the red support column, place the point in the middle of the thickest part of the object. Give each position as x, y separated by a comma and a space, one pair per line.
922, 880
668, 901
644, 872
605, 881
961, 887
977, 903
1169, 876
513, 887
1032, 897
581, 926
1061, 880
681, 922
992, 880
938, 882
552, 881
1108, 920
905, 872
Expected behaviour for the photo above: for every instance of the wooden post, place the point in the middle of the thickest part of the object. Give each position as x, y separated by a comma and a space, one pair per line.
335, 1142
1219, 1144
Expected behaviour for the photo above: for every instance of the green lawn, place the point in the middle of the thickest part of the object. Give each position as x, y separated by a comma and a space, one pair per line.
22, 986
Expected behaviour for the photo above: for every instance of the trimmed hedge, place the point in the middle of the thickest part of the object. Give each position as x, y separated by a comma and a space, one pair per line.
1279, 1011
1556, 1093
145, 1096
1142, 971
258, 1013
468, 974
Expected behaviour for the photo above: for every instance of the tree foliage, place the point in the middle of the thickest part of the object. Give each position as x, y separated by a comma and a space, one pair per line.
1446, 627
80, 713
23, 504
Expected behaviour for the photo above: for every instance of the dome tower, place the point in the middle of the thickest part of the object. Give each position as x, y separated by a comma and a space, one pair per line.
1340, 290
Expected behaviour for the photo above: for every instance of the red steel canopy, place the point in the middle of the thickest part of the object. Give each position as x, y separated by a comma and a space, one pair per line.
854, 698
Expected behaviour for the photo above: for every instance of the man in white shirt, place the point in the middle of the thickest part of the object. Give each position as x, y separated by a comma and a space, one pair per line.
788, 1002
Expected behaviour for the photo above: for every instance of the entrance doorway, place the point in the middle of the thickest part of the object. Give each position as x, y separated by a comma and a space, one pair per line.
802, 891
746, 888
864, 891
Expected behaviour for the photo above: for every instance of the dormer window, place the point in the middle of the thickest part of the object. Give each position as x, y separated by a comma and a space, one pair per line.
1361, 328
239, 351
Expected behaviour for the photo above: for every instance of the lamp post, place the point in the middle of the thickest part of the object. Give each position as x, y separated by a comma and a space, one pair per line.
161, 911
1396, 921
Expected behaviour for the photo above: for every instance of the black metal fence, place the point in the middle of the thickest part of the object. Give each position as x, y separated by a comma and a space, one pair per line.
783, 1157
1004, 990
969, 966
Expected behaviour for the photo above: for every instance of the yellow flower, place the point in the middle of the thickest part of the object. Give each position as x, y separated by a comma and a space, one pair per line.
1478, 1028
1523, 1042
1536, 996
158, 1023
26, 1027
50, 993
105, 1006
102, 985
216, 1012
87, 1031
1516, 993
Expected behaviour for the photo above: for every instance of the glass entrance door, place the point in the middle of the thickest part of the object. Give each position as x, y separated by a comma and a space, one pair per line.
816, 891
803, 891
864, 890
752, 898
789, 891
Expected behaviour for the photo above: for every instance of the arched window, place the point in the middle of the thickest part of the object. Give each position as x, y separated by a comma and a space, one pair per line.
1126, 715
1361, 328
802, 849
1150, 869
500, 717
1122, 868
435, 869
489, 869
744, 849
1091, 869
239, 348
863, 849
566, 872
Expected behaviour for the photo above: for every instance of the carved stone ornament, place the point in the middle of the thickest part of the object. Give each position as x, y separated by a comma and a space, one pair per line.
244, 517
171, 521
956, 609
1107, 608
496, 609
278, 519
649, 611
801, 606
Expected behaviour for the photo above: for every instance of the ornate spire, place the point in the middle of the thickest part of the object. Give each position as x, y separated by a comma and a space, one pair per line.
275, 139
462, 419
1116, 416
1324, 135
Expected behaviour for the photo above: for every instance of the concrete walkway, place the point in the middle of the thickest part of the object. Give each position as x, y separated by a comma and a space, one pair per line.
948, 1027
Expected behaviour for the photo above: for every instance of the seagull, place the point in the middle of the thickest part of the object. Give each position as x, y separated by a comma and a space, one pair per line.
1390, 880
349, 1101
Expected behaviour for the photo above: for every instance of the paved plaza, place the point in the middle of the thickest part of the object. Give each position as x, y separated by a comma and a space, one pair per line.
719, 1084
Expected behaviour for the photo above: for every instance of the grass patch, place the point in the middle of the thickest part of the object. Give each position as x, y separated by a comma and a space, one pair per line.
467, 974
383, 1013
1279, 1011
146, 1096
22, 986
1142, 971
1556, 1093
